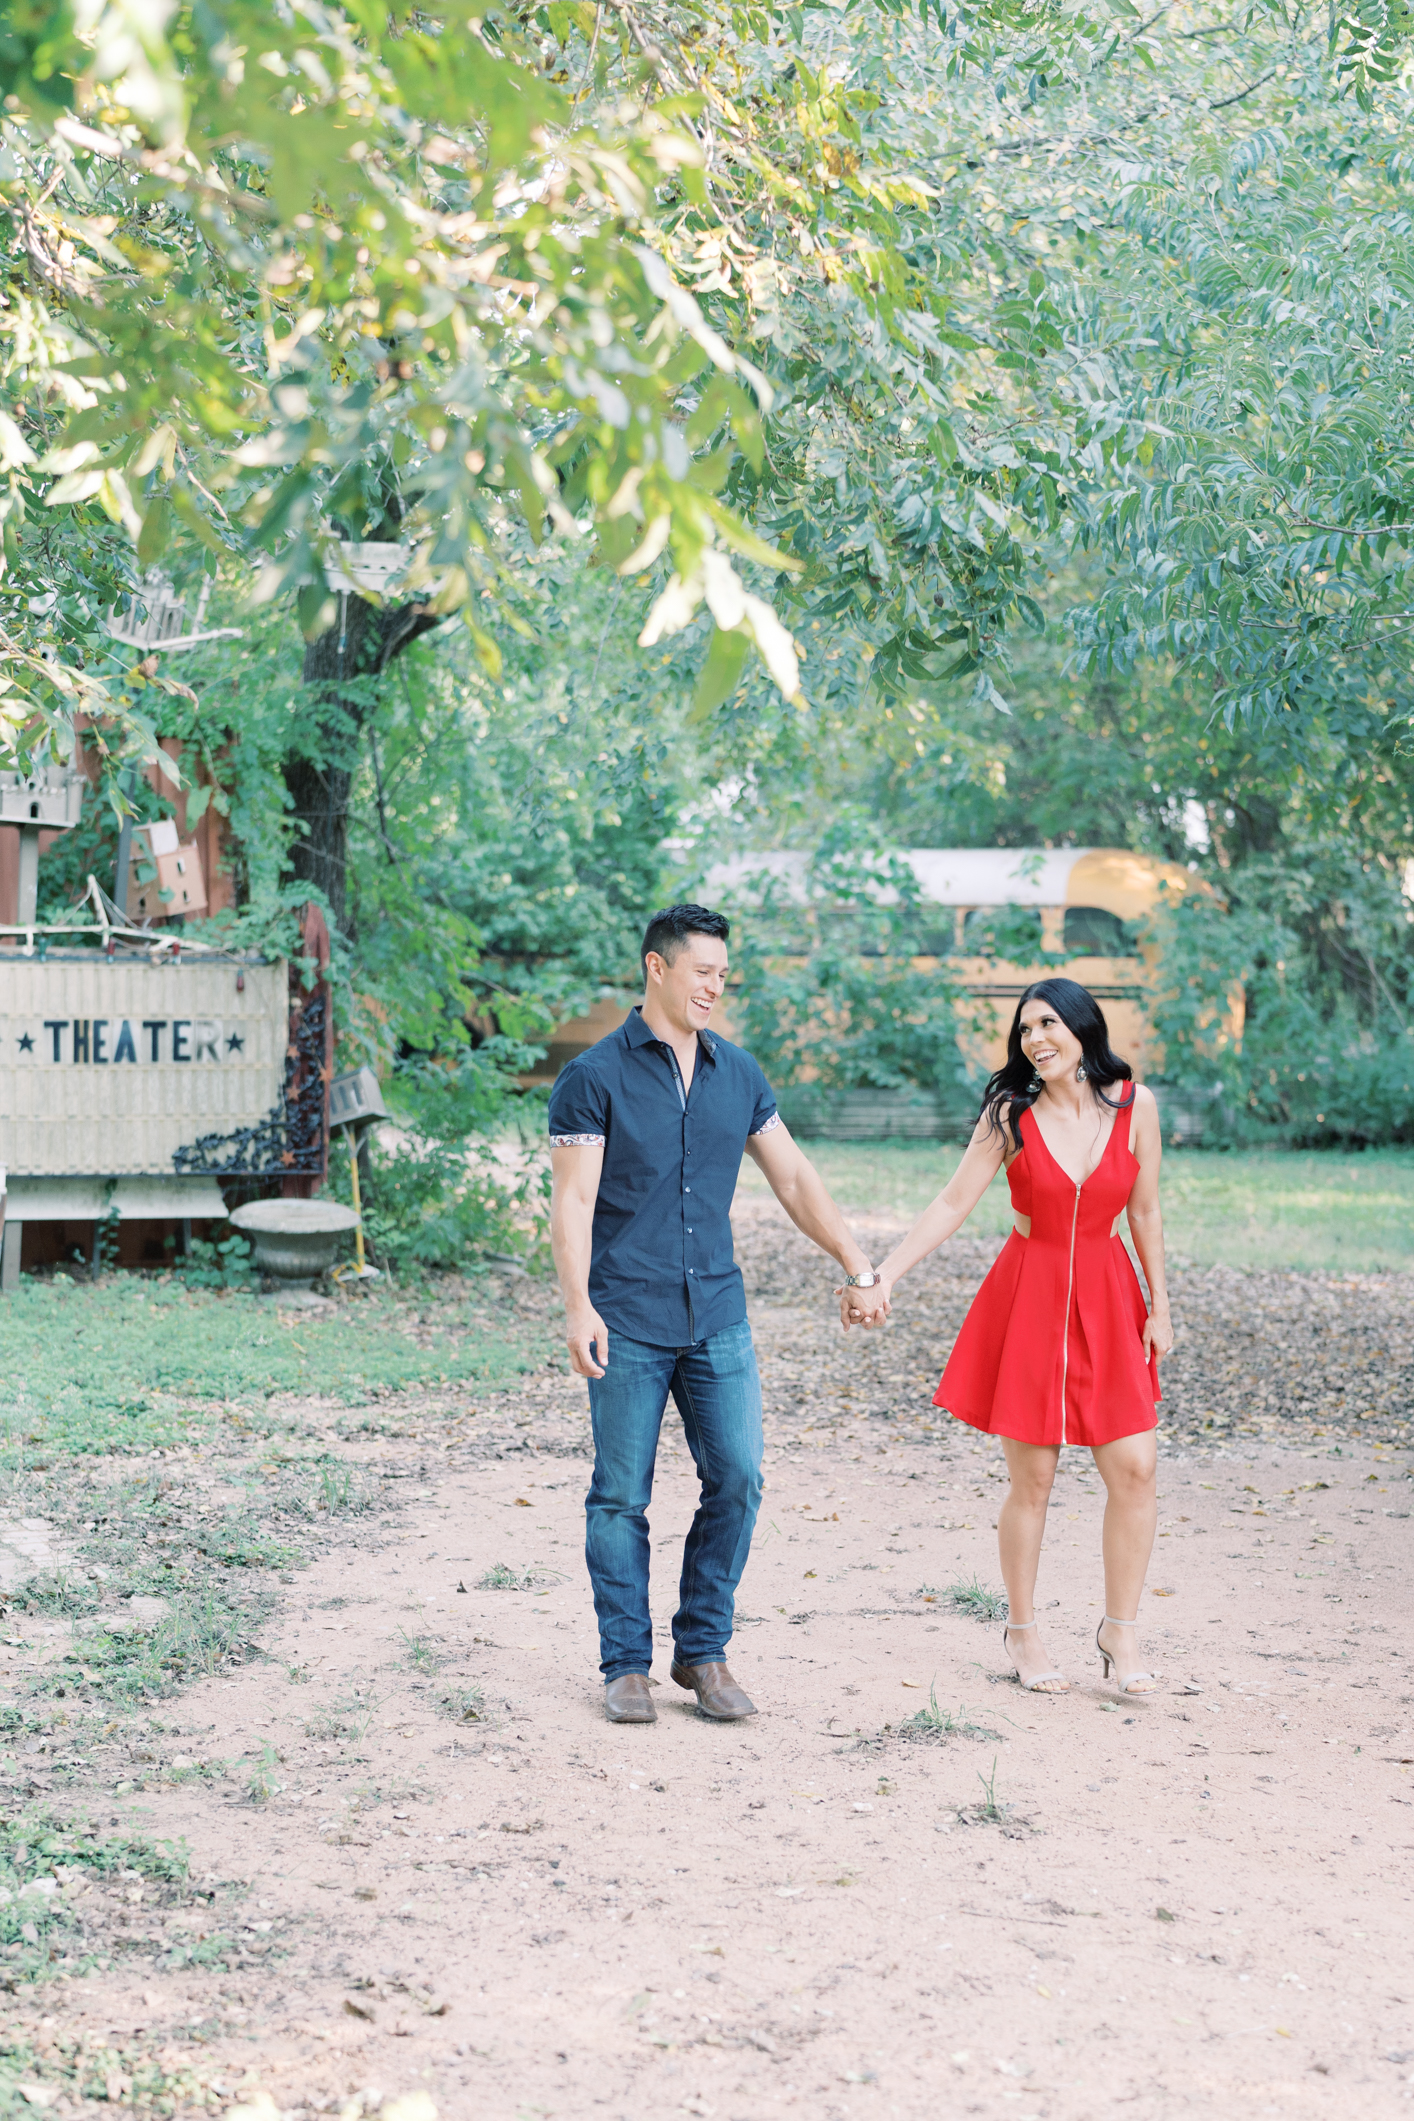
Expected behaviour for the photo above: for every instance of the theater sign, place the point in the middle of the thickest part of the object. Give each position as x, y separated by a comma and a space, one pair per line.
129, 1065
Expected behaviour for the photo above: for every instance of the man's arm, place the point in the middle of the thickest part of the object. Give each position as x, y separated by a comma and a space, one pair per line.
575, 1171
800, 1190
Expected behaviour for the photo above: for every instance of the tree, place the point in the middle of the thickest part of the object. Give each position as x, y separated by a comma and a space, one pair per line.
283, 275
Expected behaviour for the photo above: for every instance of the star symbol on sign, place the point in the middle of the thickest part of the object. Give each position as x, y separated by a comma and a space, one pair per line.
26, 1043
235, 1043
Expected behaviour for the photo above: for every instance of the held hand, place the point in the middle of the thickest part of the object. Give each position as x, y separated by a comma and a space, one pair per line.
1158, 1335
586, 1336
864, 1307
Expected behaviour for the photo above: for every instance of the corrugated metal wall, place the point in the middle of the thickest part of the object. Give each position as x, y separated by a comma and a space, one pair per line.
107, 1067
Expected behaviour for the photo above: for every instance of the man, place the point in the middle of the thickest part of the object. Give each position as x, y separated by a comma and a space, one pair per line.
648, 1129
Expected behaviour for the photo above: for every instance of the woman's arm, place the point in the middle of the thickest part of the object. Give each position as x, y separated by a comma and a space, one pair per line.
981, 1161
1146, 1222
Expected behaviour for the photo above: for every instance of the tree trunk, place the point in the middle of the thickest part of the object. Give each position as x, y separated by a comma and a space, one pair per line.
341, 669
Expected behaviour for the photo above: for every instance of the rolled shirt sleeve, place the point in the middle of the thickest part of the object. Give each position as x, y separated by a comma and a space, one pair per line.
765, 1116
579, 1108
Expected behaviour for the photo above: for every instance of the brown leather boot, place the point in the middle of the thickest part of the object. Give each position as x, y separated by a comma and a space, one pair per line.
718, 1694
627, 1699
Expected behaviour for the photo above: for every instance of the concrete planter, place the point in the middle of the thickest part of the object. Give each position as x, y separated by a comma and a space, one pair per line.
296, 1241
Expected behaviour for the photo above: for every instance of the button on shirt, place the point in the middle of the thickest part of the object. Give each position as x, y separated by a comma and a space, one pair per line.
661, 1268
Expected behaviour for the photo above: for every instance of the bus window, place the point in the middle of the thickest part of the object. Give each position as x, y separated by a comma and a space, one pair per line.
1011, 932
1091, 931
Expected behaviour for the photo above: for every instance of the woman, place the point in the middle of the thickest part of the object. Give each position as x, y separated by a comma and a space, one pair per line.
1059, 1346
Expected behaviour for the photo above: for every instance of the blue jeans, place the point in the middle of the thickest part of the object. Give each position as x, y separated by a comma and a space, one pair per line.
718, 1394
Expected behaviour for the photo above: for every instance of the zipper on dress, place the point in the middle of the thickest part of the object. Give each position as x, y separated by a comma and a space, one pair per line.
1069, 1289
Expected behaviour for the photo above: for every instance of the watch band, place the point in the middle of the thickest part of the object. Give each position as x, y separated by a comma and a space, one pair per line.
867, 1280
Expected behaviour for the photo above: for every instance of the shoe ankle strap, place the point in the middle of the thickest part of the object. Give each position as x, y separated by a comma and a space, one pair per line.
1018, 1625
1109, 1621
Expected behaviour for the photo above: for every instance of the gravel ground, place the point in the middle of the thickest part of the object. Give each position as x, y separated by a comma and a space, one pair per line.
447, 1888
1290, 1357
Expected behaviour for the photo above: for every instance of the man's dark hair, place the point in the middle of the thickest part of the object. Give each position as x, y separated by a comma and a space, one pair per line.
669, 930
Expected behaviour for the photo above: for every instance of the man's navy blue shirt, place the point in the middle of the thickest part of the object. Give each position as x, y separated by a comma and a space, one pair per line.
662, 1269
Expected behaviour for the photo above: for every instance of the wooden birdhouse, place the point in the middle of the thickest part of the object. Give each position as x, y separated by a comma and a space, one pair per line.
164, 879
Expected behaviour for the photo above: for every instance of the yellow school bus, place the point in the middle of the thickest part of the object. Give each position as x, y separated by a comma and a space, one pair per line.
1088, 902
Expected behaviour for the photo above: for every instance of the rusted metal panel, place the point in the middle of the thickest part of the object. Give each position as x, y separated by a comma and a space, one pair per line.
113, 1066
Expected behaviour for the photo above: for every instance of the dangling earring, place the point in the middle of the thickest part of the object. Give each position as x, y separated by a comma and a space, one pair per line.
1082, 1073
1036, 1085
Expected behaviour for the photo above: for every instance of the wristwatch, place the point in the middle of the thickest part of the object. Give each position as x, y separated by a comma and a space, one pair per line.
867, 1280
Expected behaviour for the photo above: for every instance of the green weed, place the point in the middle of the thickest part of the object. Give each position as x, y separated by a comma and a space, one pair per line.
464, 1704
345, 1719
224, 1264
423, 1652
976, 1600
992, 1811
989, 1809
263, 1781
934, 1723
338, 1493
502, 1578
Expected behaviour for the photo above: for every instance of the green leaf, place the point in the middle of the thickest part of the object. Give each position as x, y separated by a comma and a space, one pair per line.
720, 673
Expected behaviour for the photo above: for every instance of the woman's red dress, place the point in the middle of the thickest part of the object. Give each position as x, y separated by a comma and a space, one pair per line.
1052, 1349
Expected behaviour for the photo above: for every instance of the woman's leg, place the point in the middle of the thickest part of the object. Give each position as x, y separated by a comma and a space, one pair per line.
1021, 1526
1128, 1467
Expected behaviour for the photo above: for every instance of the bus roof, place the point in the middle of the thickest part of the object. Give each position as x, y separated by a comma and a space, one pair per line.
1115, 878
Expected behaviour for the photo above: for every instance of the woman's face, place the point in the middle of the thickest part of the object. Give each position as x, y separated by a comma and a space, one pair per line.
1049, 1043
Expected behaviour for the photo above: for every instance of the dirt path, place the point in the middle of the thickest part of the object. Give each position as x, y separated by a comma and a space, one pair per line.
1196, 1903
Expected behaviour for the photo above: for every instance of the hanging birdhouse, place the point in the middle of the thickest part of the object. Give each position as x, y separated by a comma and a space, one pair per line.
164, 877
364, 570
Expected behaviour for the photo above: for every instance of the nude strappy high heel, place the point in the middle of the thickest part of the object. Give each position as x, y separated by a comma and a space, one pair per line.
1131, 1685
1041, 1678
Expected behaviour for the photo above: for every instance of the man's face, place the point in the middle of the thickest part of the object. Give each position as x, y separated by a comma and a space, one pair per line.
688, 989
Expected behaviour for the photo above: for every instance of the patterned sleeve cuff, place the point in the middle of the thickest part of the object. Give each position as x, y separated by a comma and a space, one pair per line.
577, 1141
766, 1125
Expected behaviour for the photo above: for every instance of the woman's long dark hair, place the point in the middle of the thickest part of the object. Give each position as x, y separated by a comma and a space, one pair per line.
1009, 1092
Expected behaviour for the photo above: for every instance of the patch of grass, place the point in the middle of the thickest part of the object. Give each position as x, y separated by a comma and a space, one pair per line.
41, 1860
1304, 1209
934, 1723
422, 1653
163, 1536
201, 1635
502, 1578
974, 1599
344, 1719
992, 1811
341, 1492
464, 1704
127, 2074
239, 1541
116, 1366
